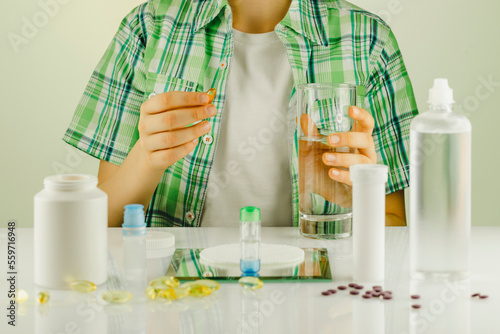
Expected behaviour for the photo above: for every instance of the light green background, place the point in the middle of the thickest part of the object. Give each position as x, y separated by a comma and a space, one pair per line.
42, 83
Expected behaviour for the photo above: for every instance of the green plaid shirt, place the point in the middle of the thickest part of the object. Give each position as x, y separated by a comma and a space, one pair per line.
178, 45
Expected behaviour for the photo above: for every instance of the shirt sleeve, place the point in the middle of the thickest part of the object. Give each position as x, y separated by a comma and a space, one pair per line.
104, 124
390, 99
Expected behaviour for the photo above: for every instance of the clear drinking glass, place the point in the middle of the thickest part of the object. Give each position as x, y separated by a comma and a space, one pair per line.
324, 204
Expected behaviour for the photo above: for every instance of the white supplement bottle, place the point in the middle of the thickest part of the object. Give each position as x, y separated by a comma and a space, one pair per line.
70, 231
368, 221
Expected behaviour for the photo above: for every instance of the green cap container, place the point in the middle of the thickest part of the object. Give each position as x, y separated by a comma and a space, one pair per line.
250, 214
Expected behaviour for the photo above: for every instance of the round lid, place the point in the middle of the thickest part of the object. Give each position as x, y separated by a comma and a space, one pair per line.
157, 239
369, 173
250, 214
159, 244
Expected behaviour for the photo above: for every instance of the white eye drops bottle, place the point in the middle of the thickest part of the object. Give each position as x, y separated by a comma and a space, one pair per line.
70, 232
134, 247
368, 217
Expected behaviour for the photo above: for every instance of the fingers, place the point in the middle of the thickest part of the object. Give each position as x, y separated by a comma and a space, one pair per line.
171, 139
174, 100
174, 119
340, 175
345, 159
359, 140
364, 120
308, 127
168, 157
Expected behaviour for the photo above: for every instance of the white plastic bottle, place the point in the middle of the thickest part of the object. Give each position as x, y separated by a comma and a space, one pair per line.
368, 221
440, 189
134, 247
70, 232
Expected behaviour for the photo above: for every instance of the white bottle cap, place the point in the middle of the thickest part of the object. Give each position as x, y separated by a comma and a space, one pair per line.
369, 173
440, 93
159, 244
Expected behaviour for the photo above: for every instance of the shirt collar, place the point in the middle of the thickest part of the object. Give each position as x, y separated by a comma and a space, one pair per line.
307, 17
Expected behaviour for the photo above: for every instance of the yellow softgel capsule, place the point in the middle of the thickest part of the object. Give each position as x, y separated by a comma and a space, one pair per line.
43, 297
82, 286
116, 296
21, 296
167, 293
151, 293
168, 281
250, 282
181, 293
200, 291
211, 94
173, 293
213, 285
209, 283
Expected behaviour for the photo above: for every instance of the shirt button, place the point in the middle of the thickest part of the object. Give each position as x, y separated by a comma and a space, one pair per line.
222, 64
208, 139
190, 216
151, 95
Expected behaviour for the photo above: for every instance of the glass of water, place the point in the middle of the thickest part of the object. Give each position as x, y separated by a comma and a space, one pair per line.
324, 204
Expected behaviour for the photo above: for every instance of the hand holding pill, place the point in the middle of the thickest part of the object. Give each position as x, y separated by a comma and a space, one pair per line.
164, 135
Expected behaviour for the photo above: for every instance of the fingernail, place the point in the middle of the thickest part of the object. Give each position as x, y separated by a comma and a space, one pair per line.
211, 91
203, 98
355, 111
334, 139
330, 157
206, 126
211, 110
335, 172
195, 141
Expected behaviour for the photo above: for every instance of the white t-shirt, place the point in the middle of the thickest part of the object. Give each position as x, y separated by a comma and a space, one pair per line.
251, 166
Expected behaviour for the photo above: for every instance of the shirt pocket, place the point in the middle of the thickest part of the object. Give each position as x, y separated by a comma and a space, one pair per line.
160, 83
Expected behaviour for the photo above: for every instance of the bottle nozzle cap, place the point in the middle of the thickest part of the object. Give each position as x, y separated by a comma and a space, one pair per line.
250, 214
441, 93
134, 216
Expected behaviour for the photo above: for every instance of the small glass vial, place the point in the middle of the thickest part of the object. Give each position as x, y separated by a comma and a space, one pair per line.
250, 240
70, 232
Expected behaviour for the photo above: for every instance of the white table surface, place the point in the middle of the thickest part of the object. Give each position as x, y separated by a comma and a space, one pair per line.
277, 307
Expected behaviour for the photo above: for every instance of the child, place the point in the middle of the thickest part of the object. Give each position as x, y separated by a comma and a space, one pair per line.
137, 111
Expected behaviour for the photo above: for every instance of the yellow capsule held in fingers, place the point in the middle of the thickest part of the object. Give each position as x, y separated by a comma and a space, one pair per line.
200, 291
168, 281
211, 94
116, 296
151, 293
43, 297
250, 282
21, 296
82, 286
